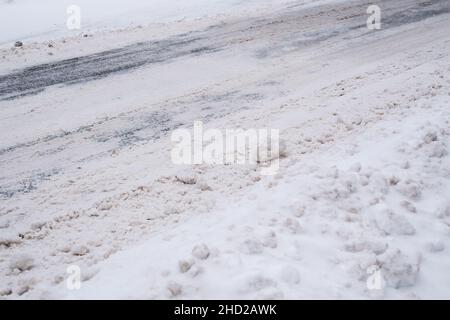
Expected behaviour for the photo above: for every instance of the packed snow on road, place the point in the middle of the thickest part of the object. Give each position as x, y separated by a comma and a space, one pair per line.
119, 179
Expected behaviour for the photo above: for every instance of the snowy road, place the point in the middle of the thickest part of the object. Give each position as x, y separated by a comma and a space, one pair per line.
86, 173
290, 27
273, 35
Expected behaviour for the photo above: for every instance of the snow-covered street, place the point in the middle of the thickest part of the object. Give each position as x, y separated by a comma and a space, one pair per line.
359, 209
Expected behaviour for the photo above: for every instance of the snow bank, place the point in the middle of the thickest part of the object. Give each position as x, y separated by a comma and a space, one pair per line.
316, 230
363, 189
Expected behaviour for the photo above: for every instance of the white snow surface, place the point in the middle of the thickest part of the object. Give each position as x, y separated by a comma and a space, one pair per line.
28, 19
365, 180
313, 231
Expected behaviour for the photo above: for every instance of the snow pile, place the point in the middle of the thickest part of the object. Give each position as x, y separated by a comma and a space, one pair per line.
378, 199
